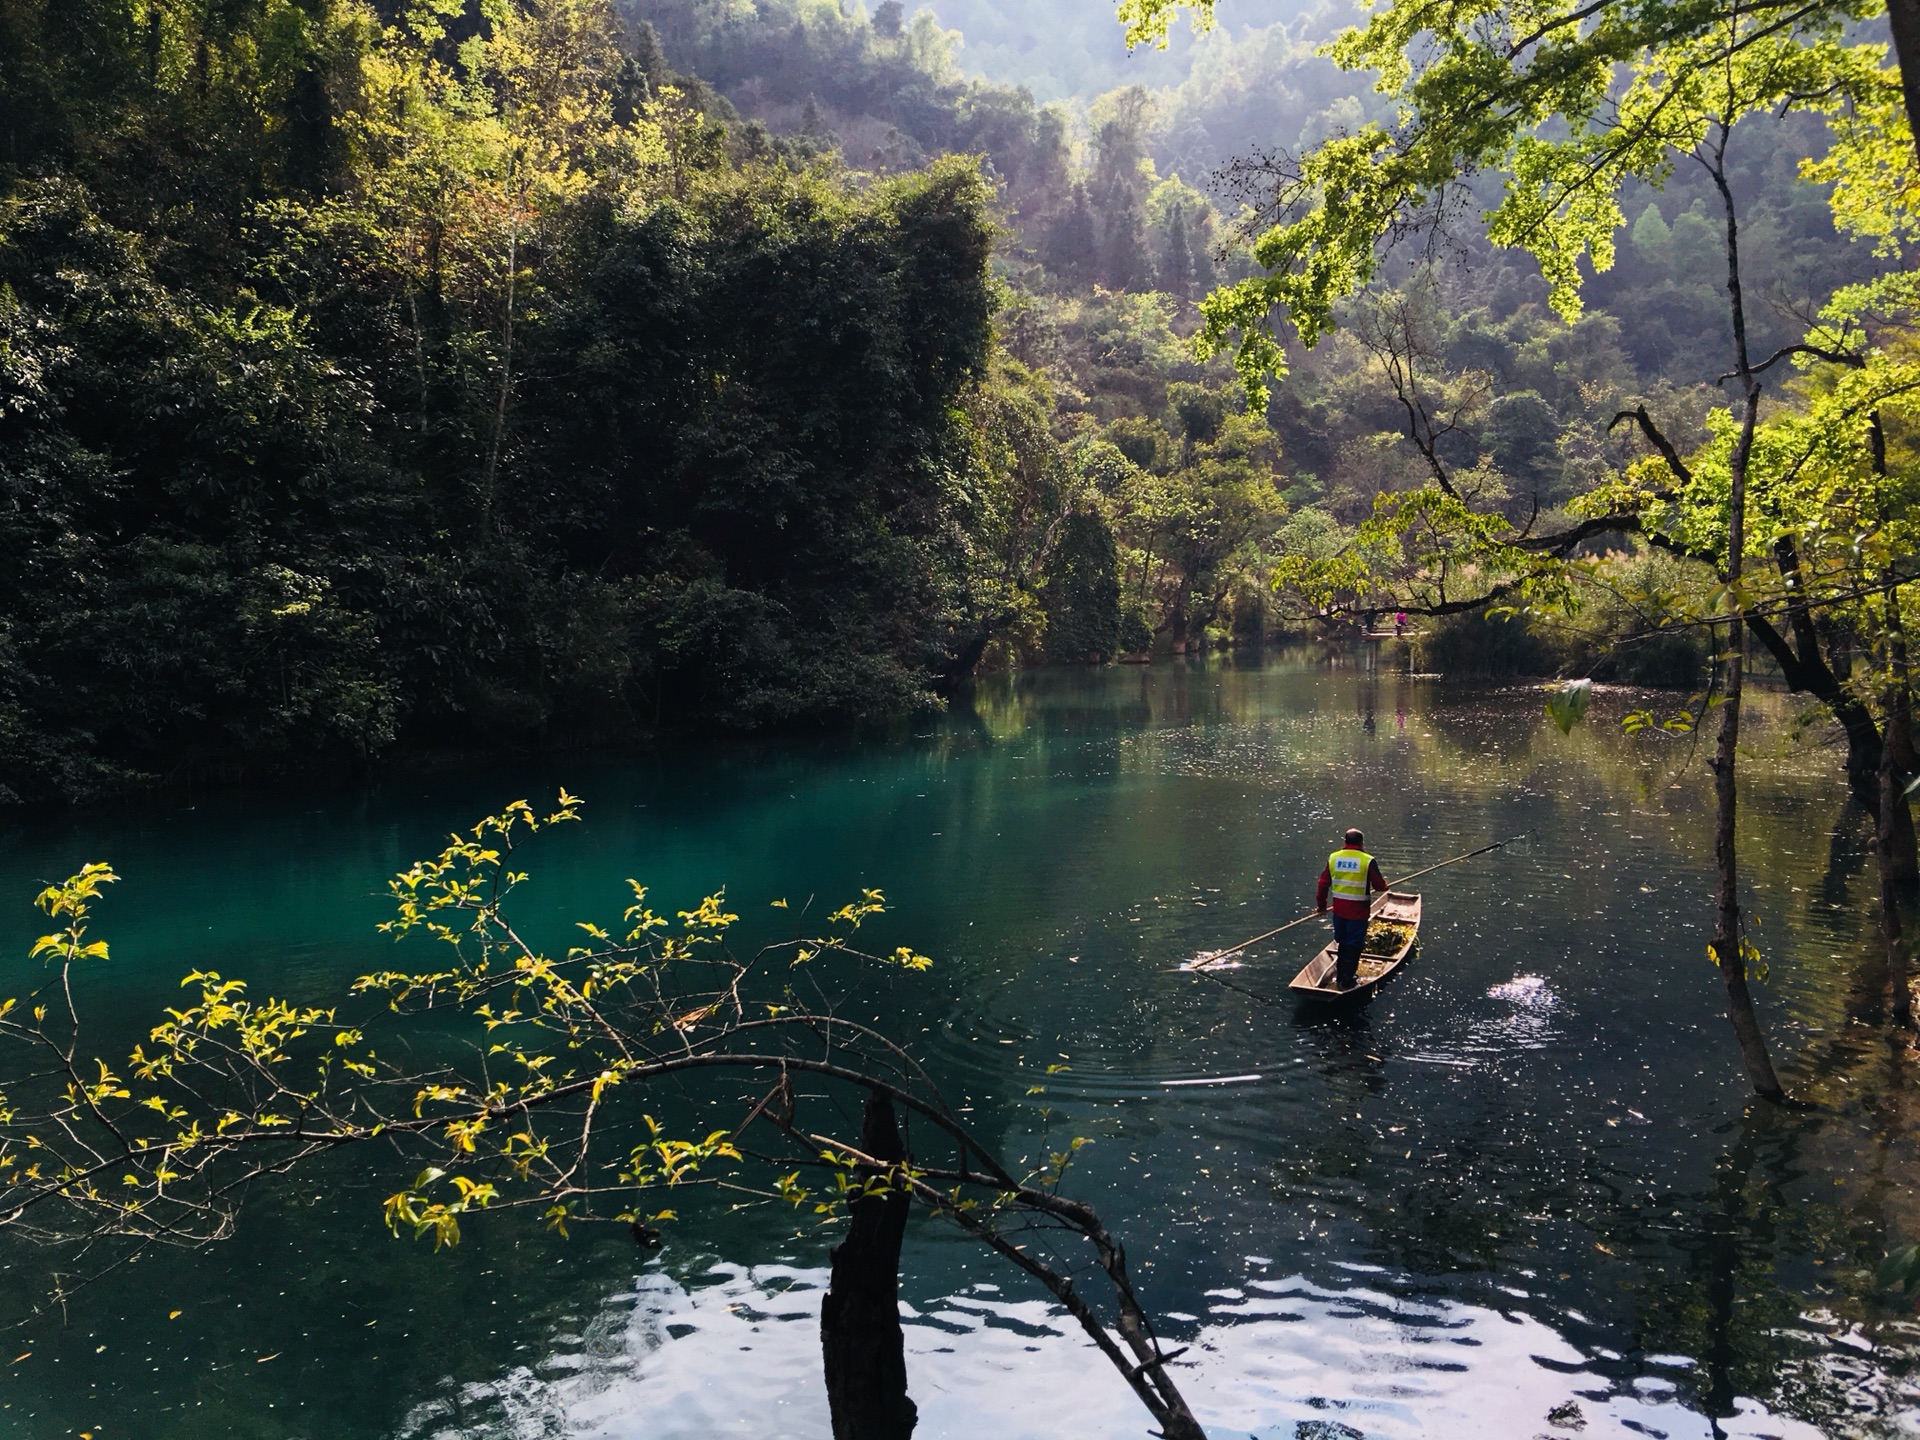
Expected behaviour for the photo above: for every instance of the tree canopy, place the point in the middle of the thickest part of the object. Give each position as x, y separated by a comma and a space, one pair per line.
468, 385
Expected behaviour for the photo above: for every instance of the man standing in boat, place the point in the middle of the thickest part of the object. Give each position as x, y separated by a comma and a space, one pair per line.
1348, 883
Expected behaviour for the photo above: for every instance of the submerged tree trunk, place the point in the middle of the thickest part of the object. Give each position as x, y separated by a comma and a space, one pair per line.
1899, 755
1729, 951
860, 1337
1890, 919
1893, 811
1863, 753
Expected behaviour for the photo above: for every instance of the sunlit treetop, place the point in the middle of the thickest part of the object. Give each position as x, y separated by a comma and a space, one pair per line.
1568, 100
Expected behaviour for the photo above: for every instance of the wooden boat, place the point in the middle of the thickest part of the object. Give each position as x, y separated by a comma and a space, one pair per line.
1315, 981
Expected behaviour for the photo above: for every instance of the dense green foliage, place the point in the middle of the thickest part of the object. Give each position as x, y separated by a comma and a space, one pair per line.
365, 380
1110, 244
450, 376
395, 377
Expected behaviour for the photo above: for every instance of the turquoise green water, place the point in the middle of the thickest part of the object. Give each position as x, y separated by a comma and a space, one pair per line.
1525, 1178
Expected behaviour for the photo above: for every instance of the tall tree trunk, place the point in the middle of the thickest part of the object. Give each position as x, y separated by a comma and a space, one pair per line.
1895, 821
1177, 627
1899, 750
1728, 951
490, 474
1903, 19
966, 659
860, 1337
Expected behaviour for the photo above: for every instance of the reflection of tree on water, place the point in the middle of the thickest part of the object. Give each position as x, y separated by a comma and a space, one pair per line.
1467, 1208
1177, 694
1718, 1301
1847, 854
1723, 1297
1728, 1275
1759, 1276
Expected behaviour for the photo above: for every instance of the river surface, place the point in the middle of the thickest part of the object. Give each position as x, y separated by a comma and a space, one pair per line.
1522, 1194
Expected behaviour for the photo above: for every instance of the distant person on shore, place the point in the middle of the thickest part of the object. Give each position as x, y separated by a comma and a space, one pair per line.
1399, 622
1347, 884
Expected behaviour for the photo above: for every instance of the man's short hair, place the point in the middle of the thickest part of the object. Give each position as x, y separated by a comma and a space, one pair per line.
1354, 837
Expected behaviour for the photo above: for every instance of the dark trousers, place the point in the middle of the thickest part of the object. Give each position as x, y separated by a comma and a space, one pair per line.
1350, 936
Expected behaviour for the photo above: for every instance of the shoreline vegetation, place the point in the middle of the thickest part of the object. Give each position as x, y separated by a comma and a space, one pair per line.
1410, 663
209, 777
383, 379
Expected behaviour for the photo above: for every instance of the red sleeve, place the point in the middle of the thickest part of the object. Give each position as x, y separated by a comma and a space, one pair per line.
1320, 895
1375, 880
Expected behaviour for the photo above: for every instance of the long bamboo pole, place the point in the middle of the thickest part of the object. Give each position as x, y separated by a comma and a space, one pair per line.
1214, 957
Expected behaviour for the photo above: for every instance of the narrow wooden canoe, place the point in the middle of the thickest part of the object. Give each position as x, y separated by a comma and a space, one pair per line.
1315, 982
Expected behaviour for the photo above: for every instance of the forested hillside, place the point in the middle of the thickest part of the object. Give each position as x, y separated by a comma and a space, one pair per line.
395, 376
1121, 213
426, 375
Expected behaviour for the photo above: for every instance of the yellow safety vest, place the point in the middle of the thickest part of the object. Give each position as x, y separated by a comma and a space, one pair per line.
1347, 871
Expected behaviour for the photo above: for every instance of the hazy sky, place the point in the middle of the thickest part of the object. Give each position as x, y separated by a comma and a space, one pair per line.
1067, 48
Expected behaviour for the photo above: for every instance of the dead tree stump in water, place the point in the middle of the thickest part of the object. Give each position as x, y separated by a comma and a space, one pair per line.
860, 1337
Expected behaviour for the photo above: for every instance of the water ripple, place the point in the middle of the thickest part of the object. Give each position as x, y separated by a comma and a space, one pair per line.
1275, 1358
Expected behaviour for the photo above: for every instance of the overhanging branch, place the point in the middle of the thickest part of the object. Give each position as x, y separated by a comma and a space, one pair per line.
1656, 438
